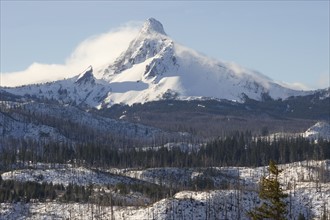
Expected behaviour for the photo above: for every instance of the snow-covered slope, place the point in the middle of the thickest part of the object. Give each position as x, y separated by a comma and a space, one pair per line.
155, 67
319, 130
45, 121
15, 126
66, 175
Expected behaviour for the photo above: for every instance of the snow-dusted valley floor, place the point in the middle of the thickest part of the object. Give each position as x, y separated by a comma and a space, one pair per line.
233, 194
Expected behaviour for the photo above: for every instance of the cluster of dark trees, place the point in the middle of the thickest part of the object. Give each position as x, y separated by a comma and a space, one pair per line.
211, 118
15, 191
18, 191
240, 149
77, 193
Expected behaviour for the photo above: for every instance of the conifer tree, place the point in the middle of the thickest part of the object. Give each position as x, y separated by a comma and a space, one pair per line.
272, 195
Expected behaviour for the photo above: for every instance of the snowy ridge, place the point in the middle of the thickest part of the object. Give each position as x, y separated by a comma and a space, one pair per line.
86, 77
319, 130
66, 175
81, 90
20, 125
154, 67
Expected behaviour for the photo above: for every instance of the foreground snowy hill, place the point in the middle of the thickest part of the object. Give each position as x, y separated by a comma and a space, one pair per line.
307, 183
154, 67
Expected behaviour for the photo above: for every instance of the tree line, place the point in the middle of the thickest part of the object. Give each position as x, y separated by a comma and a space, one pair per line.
240, 149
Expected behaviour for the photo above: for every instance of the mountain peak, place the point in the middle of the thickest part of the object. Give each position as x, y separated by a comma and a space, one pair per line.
86, 76
151, 25
151, 41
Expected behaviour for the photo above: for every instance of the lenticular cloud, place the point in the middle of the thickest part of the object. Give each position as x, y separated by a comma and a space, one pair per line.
97, 51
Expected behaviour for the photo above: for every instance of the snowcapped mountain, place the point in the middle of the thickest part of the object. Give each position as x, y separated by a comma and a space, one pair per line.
154, 67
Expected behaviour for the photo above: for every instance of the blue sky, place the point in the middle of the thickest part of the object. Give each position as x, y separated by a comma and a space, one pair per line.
285, 40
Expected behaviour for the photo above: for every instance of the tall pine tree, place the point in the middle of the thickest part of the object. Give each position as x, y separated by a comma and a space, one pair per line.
271, 193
